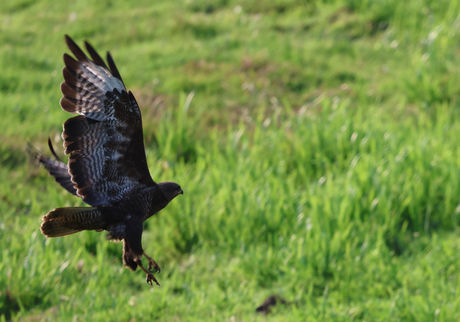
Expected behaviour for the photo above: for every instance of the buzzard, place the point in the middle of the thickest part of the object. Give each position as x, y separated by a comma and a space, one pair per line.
107, 166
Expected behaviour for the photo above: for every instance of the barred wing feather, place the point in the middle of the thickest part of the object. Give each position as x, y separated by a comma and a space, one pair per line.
107, 158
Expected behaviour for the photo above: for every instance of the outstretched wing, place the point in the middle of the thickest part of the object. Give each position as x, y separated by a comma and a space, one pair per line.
107, 157
56, 168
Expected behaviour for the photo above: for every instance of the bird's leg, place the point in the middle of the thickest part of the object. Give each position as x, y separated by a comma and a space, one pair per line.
150, 277
152, 264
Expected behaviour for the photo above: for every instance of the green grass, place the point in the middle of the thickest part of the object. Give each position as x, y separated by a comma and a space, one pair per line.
316, 143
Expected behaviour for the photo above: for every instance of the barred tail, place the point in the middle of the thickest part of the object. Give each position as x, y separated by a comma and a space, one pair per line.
66, 221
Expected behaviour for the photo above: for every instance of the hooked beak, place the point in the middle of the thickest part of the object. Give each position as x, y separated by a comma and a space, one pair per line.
181, 192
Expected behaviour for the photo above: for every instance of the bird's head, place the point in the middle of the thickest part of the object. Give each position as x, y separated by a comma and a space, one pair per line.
170, 190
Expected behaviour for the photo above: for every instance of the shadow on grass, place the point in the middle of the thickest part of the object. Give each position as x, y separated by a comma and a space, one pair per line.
15, 302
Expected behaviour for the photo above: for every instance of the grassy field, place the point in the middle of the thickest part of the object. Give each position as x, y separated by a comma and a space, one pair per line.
316, 143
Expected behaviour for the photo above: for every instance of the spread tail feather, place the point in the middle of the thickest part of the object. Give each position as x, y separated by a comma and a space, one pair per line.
66, 221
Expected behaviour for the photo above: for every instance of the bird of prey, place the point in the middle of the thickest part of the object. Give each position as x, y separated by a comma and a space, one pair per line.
107, 166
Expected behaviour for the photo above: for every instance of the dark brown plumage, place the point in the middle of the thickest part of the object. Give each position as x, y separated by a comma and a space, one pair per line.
107, 166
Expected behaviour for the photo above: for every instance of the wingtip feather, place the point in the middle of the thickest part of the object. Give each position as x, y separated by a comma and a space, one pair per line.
50, 146
67, 105
67, 90
75, 49
94, 55
113, 68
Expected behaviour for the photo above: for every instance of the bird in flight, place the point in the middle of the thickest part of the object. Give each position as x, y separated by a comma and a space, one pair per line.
107, 166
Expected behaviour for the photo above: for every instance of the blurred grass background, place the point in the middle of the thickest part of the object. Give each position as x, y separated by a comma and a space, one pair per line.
316, 142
